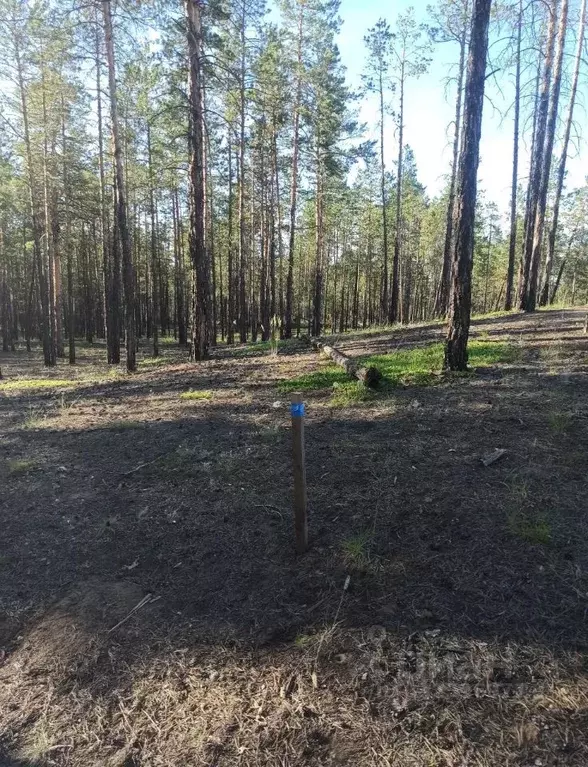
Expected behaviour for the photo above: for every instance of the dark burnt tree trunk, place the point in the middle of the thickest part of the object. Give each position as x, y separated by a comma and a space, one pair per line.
456, 348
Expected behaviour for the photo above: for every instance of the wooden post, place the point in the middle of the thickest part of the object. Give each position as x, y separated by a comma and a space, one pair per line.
300, 513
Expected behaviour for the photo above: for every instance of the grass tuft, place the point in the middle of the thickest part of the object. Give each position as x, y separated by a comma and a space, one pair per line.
356, 551
151, 362
351, 393
19, 466
34, 383
559, 423
533, 530
196, 395
324, 378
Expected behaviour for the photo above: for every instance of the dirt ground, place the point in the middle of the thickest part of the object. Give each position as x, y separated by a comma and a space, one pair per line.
153, 612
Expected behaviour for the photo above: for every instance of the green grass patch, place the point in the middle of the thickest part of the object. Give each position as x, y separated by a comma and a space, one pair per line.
351, 393
128, 425
534, 530
151, 362
196, 395
251, 350
558, 422
420, 366
494, 315
34, 383
324, 378
19, 466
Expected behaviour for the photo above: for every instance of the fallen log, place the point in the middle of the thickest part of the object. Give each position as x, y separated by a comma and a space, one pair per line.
368, 376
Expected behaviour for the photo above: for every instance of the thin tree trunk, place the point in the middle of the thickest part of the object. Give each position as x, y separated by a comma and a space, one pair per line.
546, 164
384, 304
512, 245
526, 298
294, 181
200, 292
120, 193
442, 297
456, 352
155, 308
394, 298
561, 170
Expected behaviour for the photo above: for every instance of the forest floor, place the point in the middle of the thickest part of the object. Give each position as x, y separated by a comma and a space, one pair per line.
461, 640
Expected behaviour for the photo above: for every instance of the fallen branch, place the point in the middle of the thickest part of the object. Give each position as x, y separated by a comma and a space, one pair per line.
368, 376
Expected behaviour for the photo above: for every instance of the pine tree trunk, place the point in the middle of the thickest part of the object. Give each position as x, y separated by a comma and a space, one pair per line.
394, 309
442, 296
384, 304
561, 170
294, 183
546, 164
111, 292
48, 356
526, 299
124, 236
512, 245
241, 201
200, 291
155, 308
456, 352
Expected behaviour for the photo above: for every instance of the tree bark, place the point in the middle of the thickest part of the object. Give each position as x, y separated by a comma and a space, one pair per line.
120, 196
48, 356
384, 303
155, 308
442, 297
526, 299
546, 164
201, 290
512, 245
456, 351
294, 182
395, 294
561, 170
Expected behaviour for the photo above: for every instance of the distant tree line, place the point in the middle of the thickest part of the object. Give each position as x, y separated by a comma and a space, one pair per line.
175, 168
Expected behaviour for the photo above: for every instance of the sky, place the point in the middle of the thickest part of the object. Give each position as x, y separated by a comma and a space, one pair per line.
429, 109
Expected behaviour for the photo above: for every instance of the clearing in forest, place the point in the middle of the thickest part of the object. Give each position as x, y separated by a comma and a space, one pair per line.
153, 611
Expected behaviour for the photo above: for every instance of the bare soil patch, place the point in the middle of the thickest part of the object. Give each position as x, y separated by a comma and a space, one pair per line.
461, 639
